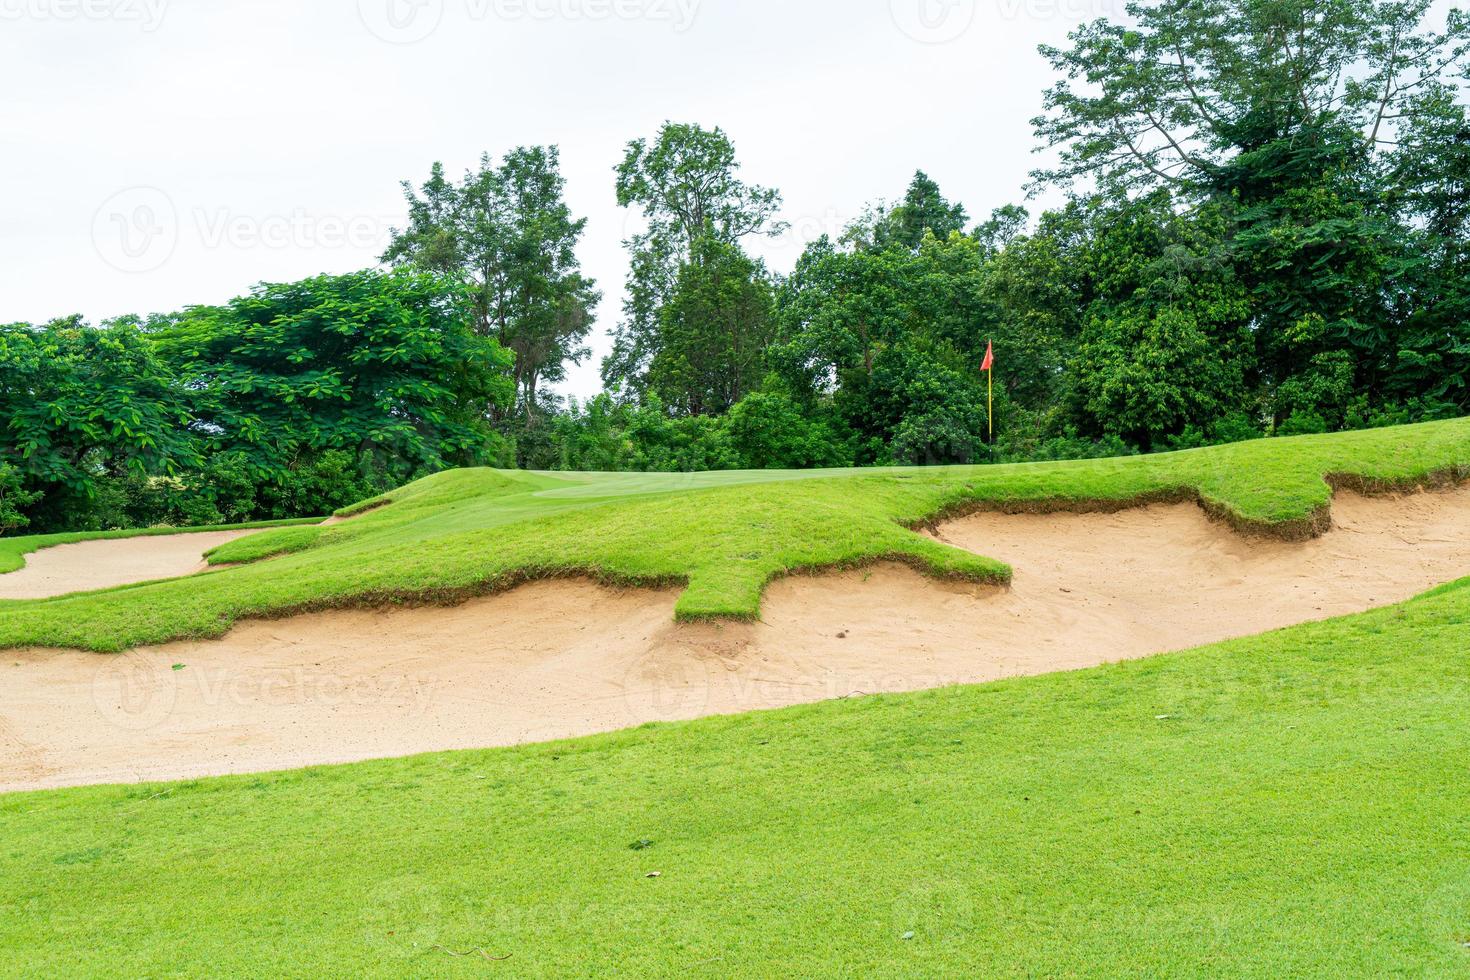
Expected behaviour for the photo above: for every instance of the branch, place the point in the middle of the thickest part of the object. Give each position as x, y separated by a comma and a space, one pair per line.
1143, 157
1199, 103
1183, 155
1388, 89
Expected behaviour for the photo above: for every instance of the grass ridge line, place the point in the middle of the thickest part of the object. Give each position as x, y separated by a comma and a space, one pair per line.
1315, 525
725, 537
13, 550
451, 597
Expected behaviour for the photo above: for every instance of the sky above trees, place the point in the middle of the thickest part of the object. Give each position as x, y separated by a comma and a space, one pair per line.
277, 132
264, 139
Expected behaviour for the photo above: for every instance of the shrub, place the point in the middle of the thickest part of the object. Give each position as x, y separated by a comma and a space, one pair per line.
14, 499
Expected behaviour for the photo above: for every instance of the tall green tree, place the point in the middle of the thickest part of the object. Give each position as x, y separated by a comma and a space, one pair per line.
1200, 95
1290, 113
892, 338
713, 331
896, 271
923, 211
686, 184
1430, 184
1165, 345
507, 232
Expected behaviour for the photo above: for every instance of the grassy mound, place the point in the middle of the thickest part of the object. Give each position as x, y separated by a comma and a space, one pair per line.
1289, 805
723, 535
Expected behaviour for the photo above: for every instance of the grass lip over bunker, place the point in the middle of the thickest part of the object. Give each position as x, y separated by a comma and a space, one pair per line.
1318, 523
13, 550
723, 537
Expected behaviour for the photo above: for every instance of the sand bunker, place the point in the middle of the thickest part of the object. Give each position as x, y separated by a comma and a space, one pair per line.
559, 659
92, 565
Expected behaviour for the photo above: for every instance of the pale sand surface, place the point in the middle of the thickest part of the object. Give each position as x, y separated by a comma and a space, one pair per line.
566, 658
91, 565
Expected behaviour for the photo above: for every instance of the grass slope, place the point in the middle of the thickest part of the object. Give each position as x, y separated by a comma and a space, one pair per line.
726, 535
13, 551
1289, 805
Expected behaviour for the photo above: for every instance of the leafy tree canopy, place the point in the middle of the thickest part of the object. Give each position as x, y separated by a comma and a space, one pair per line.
507, 232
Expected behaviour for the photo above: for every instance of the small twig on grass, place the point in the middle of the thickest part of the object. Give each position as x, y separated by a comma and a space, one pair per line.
477, 951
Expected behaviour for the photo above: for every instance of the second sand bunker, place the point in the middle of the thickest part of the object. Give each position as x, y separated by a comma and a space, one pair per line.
565, 658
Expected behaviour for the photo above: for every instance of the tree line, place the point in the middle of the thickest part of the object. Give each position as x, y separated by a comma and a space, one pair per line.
1264, 233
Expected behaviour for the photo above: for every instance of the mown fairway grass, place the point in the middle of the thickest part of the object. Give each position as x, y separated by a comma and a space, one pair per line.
1290, 805
725, 535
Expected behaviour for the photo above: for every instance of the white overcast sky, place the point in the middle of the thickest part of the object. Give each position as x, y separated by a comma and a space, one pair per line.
161, 153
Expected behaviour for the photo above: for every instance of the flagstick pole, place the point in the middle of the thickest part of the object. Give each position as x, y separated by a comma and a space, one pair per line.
990, 403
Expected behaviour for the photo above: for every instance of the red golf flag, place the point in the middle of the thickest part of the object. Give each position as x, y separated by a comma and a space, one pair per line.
989, 357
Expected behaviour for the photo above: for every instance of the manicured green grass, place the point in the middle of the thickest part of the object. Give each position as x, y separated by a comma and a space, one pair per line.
1290, 805
726, 535
13, 551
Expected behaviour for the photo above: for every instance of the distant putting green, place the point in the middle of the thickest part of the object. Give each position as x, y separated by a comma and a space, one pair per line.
724, 536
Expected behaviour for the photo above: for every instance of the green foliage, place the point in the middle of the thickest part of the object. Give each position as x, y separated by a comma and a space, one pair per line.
686, 186
319, 485
294, 400
385, 368
893, 337
769, 430
82, 407
1185, 94
1165, 345
1333, 137
1323, 390
924, 212
924, 405
507, 233
713, 332
14, 499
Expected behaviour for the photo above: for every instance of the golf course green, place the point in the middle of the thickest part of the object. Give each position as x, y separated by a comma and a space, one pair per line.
724, 536
1284, 805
